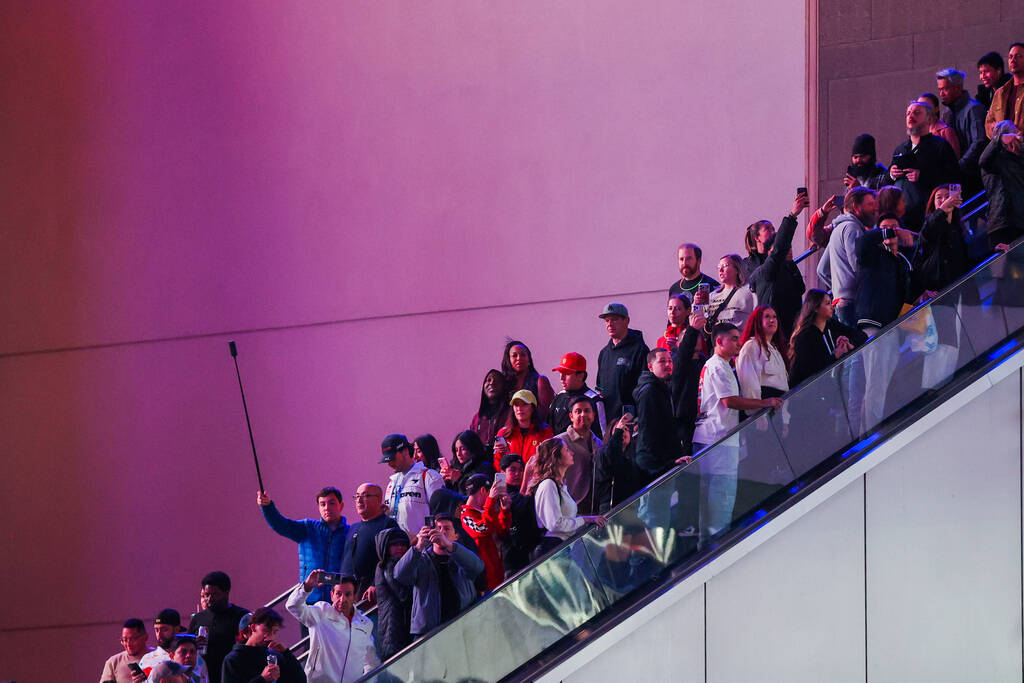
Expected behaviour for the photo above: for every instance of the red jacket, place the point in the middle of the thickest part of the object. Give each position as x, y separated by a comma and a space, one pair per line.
523, 444
484, 525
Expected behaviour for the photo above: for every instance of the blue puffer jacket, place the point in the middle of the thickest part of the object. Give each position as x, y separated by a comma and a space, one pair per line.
320, 547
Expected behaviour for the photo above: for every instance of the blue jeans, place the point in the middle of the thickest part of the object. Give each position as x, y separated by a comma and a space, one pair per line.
718, 473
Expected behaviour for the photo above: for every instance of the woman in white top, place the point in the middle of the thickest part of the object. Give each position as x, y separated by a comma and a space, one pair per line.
733, 301
556, 509
762, 366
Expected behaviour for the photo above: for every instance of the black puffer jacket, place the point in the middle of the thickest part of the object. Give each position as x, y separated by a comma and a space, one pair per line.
394, 599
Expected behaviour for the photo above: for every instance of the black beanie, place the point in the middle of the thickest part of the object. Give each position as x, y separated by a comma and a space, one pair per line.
864, 144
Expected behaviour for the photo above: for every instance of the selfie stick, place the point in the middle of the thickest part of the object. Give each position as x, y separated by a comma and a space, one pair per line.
234, 354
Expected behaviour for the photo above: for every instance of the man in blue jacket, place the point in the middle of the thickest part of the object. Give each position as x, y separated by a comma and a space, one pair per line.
441, 573
321, 541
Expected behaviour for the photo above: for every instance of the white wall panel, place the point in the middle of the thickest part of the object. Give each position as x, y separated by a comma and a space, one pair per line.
943, 549
669, 647
793, 609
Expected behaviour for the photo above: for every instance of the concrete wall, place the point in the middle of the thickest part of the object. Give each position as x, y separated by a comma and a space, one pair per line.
368, 197
910, 572
874, 56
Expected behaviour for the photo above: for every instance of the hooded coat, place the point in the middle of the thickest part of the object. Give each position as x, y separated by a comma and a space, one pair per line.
657, 443
394, 599
618, 370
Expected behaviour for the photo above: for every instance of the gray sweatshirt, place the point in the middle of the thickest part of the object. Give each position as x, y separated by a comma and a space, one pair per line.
838, 266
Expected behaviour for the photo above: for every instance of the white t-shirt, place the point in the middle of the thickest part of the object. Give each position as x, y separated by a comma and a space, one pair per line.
408, 496
717, 381
741, 305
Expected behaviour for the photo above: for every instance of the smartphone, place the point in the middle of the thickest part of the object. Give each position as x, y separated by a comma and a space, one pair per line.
428, 521
630, 409
697, 309
500, 440
271, 659
332, 578
499, 480
837, 199
903, 161
443, 462
136, 669
801, 190
852, 170
704, 287
954, 188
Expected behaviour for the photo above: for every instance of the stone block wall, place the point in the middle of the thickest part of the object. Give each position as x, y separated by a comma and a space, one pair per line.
874, 56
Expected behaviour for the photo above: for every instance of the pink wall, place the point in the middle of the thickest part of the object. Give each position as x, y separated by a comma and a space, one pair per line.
349, 190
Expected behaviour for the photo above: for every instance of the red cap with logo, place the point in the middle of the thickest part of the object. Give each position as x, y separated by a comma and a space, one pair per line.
571, 363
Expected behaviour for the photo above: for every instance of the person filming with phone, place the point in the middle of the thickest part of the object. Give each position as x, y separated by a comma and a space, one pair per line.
341, 637
254, 659
441, 572
321, 541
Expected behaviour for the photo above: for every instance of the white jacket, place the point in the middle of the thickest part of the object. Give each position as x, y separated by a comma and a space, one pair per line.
338, 650
408, 496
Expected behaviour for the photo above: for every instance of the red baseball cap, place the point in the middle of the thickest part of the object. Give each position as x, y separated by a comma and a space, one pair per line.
571, 363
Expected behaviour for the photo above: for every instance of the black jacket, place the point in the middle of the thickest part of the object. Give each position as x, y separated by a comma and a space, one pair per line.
657, 443
245, 662
558, 412
1003, 172
359, 558
618, 370
523, 535
683, 387
222, 630
617, 476
984, 95
941, 256
938, 164
811, 349
778, 282
394, 599
884, 284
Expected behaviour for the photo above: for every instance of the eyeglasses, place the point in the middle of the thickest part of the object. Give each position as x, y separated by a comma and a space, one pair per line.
131, 638
361, 496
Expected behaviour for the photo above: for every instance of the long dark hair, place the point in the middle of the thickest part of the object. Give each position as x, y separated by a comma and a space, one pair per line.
755, 330
488, 409
471, 442
509, 371
750, 239
512, 424
431, 451
808, 312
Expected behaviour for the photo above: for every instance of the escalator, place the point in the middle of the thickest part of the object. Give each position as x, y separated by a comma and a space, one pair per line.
773, 467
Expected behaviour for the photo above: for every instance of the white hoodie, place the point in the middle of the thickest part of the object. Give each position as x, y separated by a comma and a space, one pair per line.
339, 650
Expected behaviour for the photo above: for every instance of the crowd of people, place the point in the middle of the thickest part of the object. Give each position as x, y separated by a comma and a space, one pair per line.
535, 466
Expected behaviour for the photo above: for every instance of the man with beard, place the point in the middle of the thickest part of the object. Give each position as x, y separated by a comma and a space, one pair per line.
921, 163
166, 627
838, 266
220, 619
864, 169
1008, 101
689, 267
360, 557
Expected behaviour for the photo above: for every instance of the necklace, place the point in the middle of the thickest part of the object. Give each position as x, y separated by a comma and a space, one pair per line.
690, 289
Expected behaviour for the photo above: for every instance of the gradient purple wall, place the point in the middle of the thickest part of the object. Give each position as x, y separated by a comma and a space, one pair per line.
369, 197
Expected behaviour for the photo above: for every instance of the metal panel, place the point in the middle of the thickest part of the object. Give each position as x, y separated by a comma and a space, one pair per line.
943, 549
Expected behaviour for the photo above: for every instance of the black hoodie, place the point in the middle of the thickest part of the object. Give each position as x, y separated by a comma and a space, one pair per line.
657, 444
394, 599
618, 370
